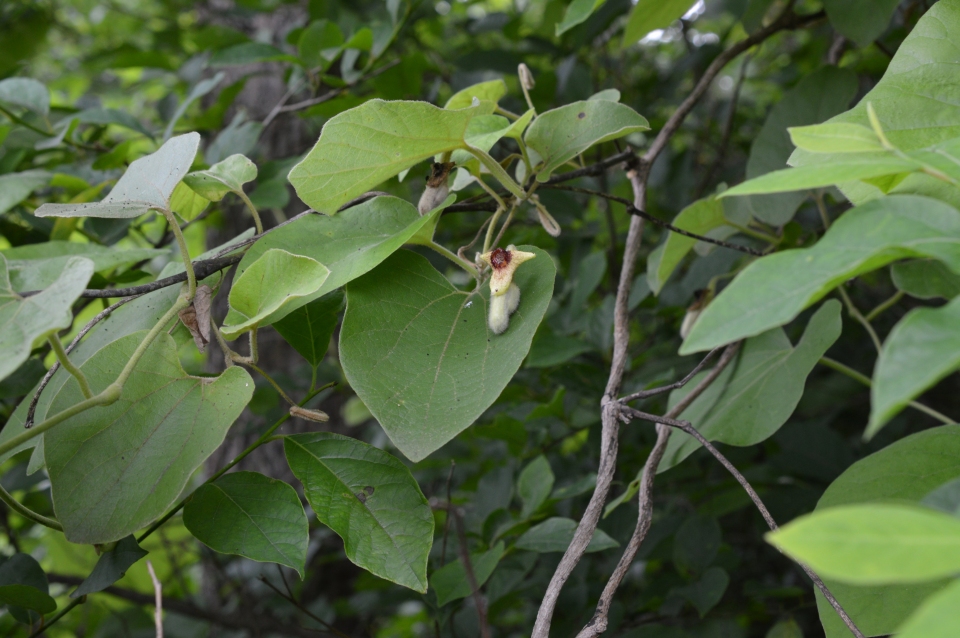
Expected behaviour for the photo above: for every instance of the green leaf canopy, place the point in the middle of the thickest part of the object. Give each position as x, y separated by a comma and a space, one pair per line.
430, 366
773, 290
25, 322
146, 185
115, 469
368, 144
370, 499
251, 515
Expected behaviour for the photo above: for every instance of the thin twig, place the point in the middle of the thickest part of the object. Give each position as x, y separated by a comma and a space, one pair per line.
446, 522
598, 624
644, 394
633, 210
296, 603
478, 599
158, 598
692, 431
31, 410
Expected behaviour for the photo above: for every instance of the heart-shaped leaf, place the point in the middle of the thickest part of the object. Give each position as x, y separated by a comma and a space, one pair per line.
227, 176
563, 133
370, 499
260, 293
115, 469
251, 515
349, 244
368, 144
773, 290
430, 366
147, 185
24, 322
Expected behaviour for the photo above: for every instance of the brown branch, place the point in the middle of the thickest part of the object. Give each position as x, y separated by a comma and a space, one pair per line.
692, 431
609, 418
598, 624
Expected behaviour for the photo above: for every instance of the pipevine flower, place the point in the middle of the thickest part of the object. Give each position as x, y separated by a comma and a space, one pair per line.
504, 294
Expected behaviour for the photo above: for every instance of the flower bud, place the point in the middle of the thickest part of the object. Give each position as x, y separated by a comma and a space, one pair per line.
501, 307
437, 189
526, 77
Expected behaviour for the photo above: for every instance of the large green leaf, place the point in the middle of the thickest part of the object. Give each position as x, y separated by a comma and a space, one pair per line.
905, 471
16, 187
936, 618
24, 584
874, 544
818, 96
838, 137
223, 177
700, 217
917, 100
555, 535
762, 391
773, 290
349, 244
368, 144
861, 20
36, 266
561, 134
450, 581
251, 515
370, 499
648, 15
309, 328
146, 185
25, 322
275, 280
922, 349
419, 353
140, 314
115, 469
111, 566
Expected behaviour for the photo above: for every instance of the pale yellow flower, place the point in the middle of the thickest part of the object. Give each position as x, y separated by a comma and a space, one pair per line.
504, 263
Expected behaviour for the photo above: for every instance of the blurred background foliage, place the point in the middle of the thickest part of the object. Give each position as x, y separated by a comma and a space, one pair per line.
261, 77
